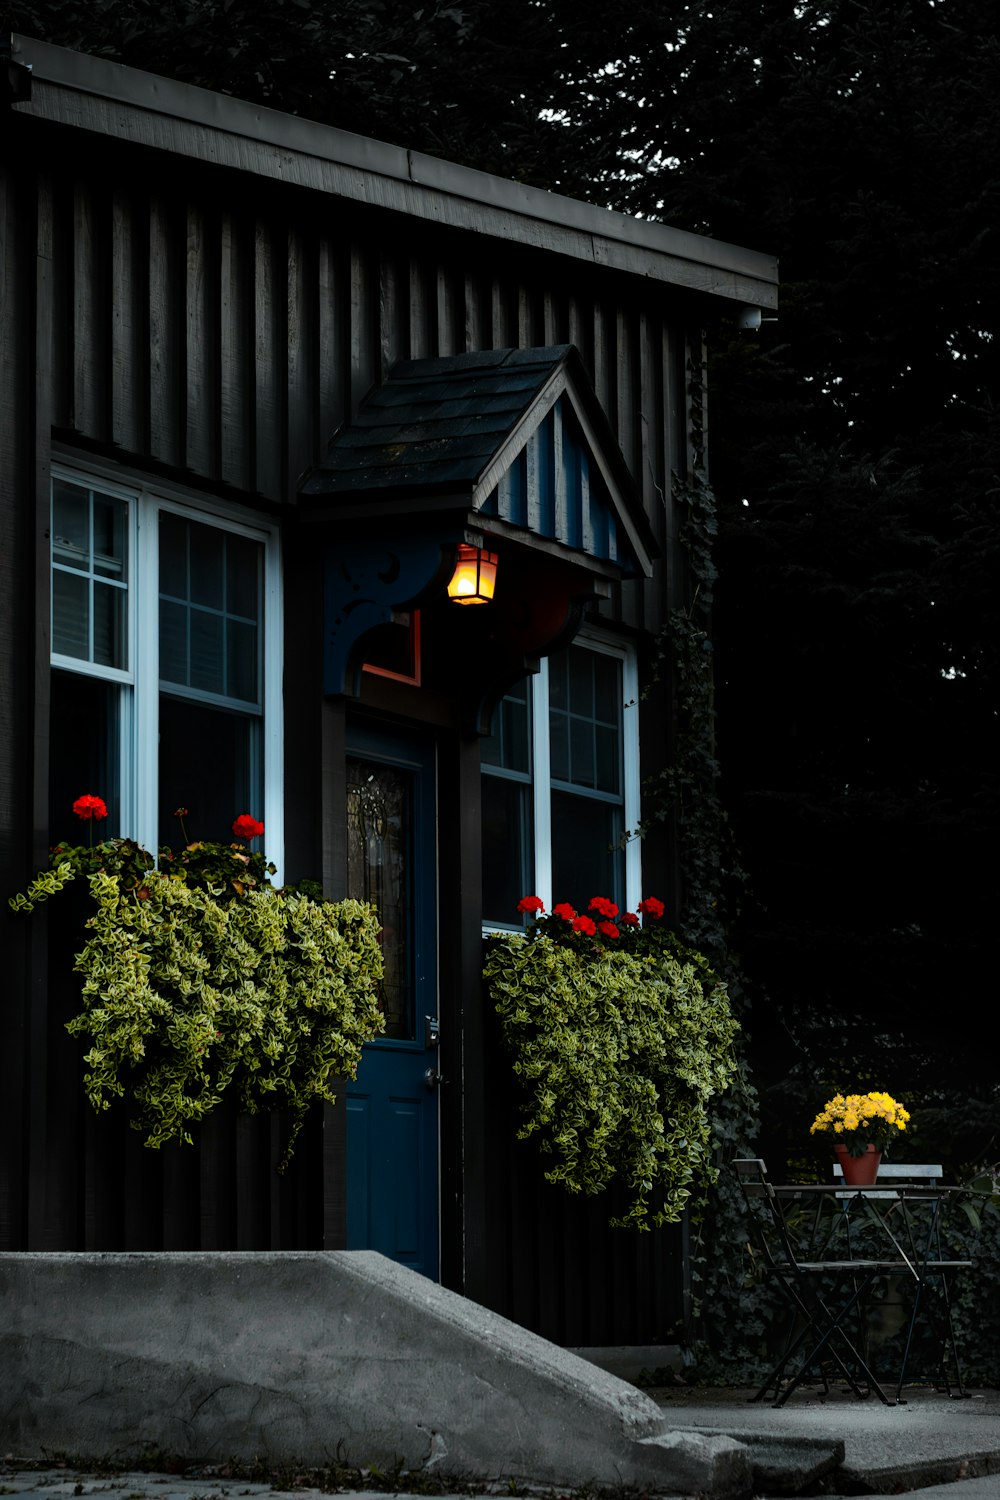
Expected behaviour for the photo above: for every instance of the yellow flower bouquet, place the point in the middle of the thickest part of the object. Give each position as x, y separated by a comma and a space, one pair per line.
861, 1120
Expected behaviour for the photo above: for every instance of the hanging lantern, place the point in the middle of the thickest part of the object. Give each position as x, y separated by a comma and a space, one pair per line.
475, 575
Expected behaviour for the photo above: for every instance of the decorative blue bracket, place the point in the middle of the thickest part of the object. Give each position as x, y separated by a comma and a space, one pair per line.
363, 583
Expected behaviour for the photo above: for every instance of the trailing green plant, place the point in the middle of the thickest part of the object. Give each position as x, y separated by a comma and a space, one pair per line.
200, 977
621, 1037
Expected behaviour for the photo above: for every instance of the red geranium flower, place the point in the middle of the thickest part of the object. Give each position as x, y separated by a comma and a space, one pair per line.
88, 807
246, 827
629, 919
609, 929
530, 904
604, 906
652, 907
564, 910
584, 925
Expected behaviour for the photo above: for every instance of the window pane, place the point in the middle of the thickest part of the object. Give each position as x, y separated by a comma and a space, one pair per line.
581, 682
207, 566
507, 848
211, 609
609, 746
109, 625
70, 525
559, 747
585, 737
607, 688
173, 556
109, 538
509, 745
208, 673
84, 754
70, 615
89, 574
210, 763
583, 863
173, 643
243, 564
241, 665
581, 753
516, 728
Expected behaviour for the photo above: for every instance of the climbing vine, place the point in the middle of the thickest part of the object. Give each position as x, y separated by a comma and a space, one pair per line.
687, 793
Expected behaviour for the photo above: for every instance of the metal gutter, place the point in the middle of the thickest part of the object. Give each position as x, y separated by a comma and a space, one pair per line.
107, 98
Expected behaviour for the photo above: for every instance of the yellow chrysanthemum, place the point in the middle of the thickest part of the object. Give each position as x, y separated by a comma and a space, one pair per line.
873, 1117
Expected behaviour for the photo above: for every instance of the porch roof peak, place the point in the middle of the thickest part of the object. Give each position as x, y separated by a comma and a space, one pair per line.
515, 438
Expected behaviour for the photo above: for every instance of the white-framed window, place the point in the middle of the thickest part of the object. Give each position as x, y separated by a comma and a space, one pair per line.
560, 785
166, 662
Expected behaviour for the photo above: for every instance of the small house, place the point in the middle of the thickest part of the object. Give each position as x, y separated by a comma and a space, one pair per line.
267, 389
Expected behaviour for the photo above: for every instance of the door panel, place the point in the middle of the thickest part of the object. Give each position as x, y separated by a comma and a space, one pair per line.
392, 1113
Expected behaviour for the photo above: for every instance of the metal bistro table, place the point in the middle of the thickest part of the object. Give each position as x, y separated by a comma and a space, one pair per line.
896, 1225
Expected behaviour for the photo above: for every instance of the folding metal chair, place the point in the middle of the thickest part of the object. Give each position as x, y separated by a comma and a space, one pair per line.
822, 1294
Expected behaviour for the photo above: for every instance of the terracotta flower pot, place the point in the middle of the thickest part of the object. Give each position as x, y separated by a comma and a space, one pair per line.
859, 1171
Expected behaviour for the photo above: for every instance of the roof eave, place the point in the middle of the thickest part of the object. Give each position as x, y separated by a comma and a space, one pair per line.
109, 99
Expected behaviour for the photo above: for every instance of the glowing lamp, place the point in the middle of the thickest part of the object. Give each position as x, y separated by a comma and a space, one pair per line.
475, 575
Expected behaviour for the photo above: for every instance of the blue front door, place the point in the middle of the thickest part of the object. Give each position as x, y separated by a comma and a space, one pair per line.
392, 1107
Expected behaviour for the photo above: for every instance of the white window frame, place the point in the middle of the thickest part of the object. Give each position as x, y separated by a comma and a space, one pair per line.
140, 680
592, 639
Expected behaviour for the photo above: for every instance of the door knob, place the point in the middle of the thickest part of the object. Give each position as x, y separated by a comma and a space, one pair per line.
433, 1079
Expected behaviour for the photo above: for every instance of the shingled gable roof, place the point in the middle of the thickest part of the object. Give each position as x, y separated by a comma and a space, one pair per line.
450, 435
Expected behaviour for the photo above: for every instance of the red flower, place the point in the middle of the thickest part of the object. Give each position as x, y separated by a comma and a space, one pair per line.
609, 929
652, 907
246, 827
604, 906
88, 807
564, 910
629, 919
530, 904
584, 925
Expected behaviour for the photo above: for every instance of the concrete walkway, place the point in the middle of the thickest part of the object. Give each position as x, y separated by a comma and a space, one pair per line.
921, 1447
822, 1444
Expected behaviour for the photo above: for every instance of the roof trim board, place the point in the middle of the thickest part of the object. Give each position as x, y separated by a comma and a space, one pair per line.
91, 93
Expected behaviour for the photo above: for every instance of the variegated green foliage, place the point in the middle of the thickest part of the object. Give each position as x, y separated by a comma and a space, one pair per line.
185, 996
207, 978
45, 884
619, 1056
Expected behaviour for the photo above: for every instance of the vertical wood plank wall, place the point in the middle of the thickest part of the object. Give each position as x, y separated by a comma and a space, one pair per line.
216, 331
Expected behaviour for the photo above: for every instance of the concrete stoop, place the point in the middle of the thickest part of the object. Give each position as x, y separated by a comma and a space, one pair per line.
313, 1358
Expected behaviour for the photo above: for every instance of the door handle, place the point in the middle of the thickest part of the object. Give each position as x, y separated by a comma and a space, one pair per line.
433, 1079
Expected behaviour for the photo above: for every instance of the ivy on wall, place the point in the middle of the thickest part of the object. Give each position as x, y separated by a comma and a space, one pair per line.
730, 1319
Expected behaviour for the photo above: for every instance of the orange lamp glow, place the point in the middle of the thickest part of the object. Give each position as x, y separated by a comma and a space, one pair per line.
475, 576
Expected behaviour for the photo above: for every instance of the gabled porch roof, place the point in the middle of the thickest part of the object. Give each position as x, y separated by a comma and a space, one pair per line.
512, 442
